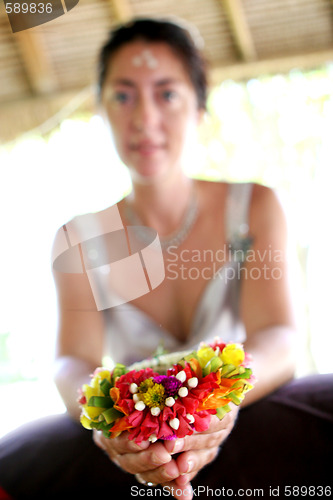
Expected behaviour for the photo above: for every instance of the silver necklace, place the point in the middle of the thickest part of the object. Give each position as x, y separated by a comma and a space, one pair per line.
177, 237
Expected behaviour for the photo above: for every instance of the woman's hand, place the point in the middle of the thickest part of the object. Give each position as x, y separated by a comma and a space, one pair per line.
146, 458
172, 464
197, 451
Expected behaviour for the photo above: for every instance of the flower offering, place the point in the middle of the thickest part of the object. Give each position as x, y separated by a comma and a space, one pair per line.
151, 406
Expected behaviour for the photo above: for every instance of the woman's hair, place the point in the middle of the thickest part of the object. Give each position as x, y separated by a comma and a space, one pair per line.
150, 30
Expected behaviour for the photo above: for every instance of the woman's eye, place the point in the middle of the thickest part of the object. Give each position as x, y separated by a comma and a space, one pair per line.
169, 95
121, 97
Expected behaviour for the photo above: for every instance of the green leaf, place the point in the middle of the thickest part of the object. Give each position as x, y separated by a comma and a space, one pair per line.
192, 354
118, 370
102, 426
105, 386
247, 374
111, 415
222, 410
100, 402
235, 399
206, 370
106, 433
215, 364
212, 366
226, 370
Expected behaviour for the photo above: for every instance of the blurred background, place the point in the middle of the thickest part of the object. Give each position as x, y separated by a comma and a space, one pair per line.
270, 120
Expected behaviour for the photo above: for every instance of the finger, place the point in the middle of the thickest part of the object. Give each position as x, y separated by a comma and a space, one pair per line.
217, 432
98, 439
228, 419
189, 461
135, 461
160, 475
119, 445
146, 460
196, 442
184, 479
184, 492
179, 473
122, 444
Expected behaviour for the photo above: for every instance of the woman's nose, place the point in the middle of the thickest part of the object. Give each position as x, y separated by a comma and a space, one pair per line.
145, 115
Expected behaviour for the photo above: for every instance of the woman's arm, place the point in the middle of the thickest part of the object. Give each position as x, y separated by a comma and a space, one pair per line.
266, 299
79, 347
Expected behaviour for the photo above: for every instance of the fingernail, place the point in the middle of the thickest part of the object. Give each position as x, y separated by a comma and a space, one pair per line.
144, 445
156, 460
179, 445
190, 465
168, 476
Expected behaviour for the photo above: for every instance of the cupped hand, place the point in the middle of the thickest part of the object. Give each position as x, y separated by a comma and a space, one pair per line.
132, 457
172, 464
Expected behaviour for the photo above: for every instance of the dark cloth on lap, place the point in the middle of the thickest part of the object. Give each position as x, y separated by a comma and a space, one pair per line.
283, 440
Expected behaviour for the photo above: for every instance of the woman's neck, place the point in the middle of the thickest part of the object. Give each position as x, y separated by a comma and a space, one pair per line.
162, 206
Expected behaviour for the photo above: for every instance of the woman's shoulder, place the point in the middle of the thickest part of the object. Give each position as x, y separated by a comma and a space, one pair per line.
266, 210
261, 202
86, 226
259, 193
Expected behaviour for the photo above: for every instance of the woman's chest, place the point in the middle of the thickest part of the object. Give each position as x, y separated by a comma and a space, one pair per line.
188, 270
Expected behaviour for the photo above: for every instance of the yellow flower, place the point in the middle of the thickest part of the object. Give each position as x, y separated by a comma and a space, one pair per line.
145, 385
233, 354
205, 354
85, 421
99, 375
154, 396
92, 412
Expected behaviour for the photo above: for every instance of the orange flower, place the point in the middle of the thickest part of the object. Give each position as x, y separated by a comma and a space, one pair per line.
215, 399
120, 425
115, 394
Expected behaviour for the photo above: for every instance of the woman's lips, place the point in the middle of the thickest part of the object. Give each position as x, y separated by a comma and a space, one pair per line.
146, 148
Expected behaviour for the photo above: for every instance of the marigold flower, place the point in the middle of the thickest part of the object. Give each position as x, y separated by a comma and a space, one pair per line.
146, 384
154, 396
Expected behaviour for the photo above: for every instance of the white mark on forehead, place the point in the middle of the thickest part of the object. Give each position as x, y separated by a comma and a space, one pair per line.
146, 57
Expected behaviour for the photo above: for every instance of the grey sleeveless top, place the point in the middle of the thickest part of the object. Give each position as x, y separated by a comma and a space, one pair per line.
131, 335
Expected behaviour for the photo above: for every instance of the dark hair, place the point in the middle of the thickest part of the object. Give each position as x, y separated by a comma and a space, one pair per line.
151, 30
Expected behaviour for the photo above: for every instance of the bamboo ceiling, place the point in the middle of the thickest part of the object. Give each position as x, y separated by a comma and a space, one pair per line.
51, 67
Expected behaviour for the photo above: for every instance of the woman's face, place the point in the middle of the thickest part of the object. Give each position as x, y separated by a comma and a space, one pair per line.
152, 108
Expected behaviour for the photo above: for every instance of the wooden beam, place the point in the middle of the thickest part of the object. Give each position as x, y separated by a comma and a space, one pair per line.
245, 71
240, 29
36, 63
122, 10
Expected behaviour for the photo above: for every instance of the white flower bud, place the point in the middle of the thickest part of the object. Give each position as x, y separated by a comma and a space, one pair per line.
140, 406
183, 392
155, 411
136, 397
174, 423
192, 382
133, 388
169, 401
190, 418
152, 438
181, 376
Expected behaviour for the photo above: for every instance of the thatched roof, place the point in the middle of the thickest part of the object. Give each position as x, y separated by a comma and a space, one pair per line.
43, 68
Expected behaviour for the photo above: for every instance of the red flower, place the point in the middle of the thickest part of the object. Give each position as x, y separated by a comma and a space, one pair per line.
202, 420
124, 381
216, 343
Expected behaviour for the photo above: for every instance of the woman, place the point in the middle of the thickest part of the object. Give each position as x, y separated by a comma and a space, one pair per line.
153, 103
153, 92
